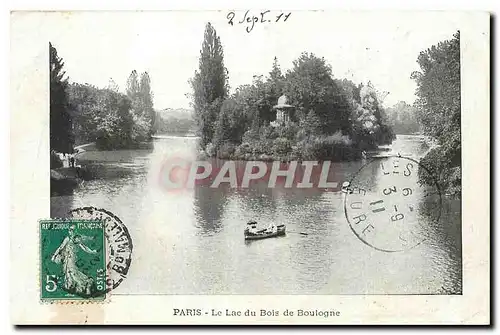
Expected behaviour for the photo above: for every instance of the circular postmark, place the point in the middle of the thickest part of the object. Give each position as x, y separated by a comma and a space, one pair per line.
118, 243
388, 208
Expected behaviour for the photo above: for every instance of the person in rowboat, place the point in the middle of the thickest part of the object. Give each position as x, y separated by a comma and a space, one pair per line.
251, 227
272, 228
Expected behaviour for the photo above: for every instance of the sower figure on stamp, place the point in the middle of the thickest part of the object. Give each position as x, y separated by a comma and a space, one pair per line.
74, 279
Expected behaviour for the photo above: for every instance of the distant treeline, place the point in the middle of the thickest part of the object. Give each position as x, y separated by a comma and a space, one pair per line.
404, 118
331, 118
174, 122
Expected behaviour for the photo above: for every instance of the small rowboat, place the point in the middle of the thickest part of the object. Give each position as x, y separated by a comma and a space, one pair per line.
265, 233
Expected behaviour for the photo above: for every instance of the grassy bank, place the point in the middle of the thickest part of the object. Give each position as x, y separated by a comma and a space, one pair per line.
334, 148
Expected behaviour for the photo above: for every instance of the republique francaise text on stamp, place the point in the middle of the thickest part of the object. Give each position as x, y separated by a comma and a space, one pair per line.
73, 260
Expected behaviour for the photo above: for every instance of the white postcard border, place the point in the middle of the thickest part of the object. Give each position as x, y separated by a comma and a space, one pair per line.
29, 164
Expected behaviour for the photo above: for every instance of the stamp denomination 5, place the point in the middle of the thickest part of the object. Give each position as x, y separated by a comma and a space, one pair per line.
73, 260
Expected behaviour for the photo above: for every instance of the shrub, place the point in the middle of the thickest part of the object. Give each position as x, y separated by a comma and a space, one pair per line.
335, 147
440, 170
281, 147
288, 131
269, 132
55, 161
210, 149
226, 150
251, 135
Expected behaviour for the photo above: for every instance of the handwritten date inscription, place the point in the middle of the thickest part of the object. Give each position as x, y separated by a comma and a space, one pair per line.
250, 20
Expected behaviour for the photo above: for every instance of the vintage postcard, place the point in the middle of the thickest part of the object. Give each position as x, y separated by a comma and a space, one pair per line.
250, 167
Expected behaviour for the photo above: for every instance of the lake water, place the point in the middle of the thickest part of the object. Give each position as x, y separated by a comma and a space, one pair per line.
191, 241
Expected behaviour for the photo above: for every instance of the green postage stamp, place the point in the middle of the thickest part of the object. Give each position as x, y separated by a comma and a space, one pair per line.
72, 260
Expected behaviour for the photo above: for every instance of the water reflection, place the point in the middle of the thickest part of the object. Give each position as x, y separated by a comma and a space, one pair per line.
209, 204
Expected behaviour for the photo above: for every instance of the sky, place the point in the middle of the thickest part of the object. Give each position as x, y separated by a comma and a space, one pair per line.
378, 46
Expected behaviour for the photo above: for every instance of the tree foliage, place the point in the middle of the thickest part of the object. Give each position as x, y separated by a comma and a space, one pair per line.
133, 85
438, 88
326, 113
139, 93
209, 84
230, 124
61, 137
102, 116
438, 103
84, 113
369, 124
146, 99
310, 86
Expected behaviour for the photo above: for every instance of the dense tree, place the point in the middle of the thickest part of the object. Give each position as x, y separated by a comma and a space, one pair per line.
274, 87
276, 76
114, 132
257, 101
438, 103
350, 90
310, 86
133, 85
438, 88
230, 125
146, 97
209, 84
372, 118
140, 95
102, 116
368, 120
61, 136
311, 124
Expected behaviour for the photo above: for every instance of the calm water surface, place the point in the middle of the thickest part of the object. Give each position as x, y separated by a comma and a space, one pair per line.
191, 241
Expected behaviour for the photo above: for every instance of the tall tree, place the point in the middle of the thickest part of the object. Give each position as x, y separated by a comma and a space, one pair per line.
139, 93
146, 100
209, 84
276, 76
438, 91
61, 136
133, 85
273, 89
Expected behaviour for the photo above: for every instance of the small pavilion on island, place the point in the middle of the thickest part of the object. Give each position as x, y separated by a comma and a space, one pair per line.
284, 111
